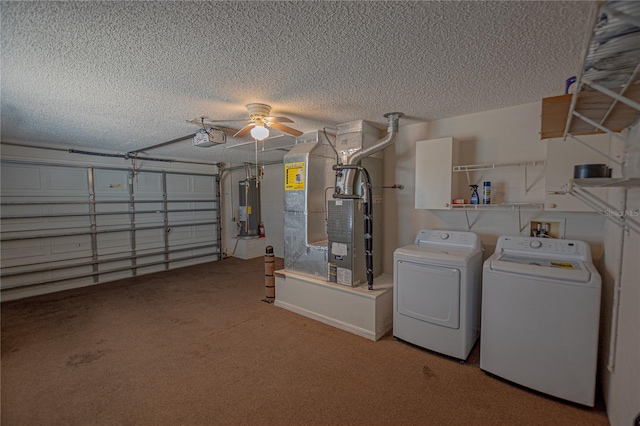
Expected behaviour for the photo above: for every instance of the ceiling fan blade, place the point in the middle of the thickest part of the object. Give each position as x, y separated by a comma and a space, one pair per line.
210, 120
244, 130
226, 130
284, 128
279, 119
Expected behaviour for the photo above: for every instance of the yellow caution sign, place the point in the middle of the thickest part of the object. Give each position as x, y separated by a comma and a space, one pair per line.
294, 175
565, 265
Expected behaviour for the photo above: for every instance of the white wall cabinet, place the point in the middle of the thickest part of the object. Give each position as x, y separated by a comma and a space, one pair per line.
435, 182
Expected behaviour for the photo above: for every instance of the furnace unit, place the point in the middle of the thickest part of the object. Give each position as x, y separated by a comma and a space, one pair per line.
345, 229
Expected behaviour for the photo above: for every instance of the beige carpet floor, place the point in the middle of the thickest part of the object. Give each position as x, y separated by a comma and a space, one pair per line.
197, 346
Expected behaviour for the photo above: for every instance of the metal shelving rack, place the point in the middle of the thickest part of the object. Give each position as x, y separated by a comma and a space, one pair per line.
491, 166
608, 95
608, 101
502, 206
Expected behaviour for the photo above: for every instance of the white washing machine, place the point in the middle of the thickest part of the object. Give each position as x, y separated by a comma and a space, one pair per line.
436, 292
540, 316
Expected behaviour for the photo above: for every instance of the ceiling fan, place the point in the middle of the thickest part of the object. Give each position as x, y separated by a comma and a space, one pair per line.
259, 120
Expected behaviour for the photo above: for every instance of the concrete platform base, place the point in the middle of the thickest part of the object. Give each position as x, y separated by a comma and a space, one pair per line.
357, 310
250, 247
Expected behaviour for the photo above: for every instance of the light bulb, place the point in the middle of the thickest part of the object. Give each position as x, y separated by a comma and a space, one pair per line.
260, 132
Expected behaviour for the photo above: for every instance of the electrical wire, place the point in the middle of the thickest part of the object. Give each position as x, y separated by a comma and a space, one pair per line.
324, 130
326, 211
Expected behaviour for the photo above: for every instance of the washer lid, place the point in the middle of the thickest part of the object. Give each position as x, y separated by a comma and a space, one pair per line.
436, 254
558, 269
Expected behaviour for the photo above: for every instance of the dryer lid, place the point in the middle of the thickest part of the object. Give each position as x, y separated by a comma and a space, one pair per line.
556, 269
436, 254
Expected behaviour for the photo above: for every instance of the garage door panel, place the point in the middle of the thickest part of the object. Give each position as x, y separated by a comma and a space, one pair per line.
114, 242
189, 235
148, 219
148, 184
113, 183
20, 178
150, 269
77, 245
178, 185
28, 250
204, 185
150, 237
51, 182
66, 181
182, 234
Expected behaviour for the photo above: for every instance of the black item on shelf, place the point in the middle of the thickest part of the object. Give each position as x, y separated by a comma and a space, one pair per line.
582, 171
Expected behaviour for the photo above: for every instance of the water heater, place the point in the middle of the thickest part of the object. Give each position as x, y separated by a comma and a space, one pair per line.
249, 208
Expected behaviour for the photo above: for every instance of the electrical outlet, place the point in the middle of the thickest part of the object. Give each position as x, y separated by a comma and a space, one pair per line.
547, 228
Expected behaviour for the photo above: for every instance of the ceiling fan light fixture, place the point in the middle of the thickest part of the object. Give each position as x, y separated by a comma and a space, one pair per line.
260, 132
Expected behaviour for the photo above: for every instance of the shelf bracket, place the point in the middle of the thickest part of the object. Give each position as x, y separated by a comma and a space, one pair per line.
520, 220
604, 154
470, 224
633, 104
609, 211
598, 126
622, 92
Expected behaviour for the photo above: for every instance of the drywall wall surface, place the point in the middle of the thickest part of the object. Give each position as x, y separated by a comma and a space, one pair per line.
619, 366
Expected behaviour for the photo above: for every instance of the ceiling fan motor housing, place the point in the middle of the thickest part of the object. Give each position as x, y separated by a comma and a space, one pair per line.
258, 110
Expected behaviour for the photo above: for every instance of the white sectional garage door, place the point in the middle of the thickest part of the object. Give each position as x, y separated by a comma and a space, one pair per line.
65, 226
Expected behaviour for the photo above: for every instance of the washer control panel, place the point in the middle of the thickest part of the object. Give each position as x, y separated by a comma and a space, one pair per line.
450, 238
547, 246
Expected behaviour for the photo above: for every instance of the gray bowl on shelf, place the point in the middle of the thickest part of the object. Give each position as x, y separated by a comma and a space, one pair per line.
583, 171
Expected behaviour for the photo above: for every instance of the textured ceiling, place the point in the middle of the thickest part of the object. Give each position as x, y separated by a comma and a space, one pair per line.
122, 76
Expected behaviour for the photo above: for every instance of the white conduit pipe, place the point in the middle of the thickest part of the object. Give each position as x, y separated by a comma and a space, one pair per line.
613, 338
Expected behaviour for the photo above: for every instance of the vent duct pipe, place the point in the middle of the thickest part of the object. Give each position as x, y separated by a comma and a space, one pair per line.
354, 159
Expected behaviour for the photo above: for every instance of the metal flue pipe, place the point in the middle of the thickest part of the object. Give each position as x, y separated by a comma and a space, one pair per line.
355, 158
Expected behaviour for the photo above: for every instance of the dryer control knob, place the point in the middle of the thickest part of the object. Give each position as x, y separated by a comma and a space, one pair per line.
444, 236
535, 244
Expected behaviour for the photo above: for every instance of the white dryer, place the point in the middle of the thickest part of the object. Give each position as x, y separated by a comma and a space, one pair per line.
540, 316
436, 292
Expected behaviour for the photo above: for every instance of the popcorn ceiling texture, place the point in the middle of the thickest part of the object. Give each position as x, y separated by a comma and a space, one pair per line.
121, 76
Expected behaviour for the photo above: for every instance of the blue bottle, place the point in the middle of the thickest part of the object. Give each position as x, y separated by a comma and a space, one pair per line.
474, 194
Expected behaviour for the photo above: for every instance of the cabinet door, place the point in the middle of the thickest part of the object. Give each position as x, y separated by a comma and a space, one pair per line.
562, 156
434, 173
